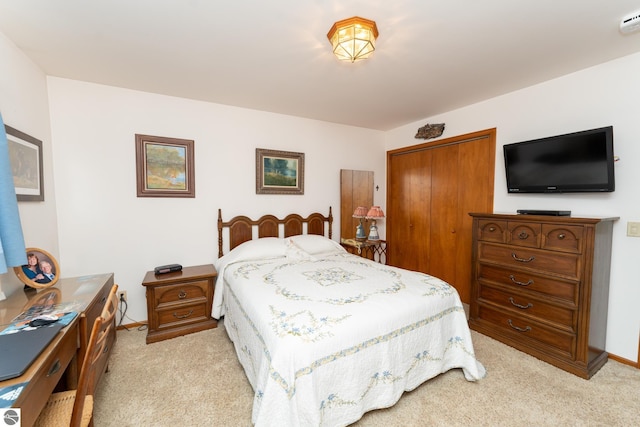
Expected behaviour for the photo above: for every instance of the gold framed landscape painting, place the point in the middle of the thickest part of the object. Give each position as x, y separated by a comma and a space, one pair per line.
279, 172
164, 167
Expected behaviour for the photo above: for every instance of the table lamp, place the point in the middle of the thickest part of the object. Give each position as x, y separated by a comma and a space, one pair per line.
374, 214
360, 213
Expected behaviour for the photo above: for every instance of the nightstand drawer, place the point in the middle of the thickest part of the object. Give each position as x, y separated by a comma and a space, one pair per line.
186, 293
182, 315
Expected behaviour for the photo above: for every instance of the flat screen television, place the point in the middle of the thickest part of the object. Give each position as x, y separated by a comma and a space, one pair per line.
571, 163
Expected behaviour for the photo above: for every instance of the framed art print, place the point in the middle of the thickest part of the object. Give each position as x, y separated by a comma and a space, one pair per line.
25, 155
164, 167
279, 172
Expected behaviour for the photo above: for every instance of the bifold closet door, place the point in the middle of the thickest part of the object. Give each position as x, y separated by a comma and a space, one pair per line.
431, 189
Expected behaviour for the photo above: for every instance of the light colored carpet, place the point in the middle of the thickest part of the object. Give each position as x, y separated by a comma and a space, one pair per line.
196, 380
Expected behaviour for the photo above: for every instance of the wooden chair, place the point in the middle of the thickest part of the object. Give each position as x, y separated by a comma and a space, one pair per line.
75, 407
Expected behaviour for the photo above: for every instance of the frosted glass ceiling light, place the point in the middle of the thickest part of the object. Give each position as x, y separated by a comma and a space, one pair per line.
353, 39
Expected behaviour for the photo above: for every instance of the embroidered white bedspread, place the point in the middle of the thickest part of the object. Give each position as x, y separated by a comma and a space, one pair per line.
325, 339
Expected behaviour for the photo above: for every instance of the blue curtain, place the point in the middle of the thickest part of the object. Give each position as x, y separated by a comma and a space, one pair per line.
12, 250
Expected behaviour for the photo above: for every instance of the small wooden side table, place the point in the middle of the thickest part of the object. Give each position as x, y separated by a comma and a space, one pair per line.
375, 250
179, 303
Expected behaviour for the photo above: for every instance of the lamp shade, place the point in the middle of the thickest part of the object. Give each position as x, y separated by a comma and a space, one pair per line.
360, 212
375, 212
353, 39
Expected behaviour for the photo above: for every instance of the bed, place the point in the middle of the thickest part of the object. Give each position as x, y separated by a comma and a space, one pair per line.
323, 335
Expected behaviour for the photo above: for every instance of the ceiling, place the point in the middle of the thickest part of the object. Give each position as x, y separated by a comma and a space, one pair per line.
432, 56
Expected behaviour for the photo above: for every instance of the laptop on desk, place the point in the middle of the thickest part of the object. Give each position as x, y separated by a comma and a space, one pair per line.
18, 350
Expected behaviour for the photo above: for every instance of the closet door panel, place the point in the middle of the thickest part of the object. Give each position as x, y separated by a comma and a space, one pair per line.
444, 213
476, 161
409, 186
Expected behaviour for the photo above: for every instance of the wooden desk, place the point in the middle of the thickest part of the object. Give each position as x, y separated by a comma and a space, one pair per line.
65, 353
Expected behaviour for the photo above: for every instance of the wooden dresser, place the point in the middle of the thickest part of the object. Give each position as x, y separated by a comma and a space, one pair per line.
179, 303
58, 366
541, 284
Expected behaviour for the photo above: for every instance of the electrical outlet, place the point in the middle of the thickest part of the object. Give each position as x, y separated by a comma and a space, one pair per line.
122, 295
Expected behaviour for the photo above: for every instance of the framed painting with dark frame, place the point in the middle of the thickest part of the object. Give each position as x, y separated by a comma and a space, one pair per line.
164, 167
25, 156
279, 172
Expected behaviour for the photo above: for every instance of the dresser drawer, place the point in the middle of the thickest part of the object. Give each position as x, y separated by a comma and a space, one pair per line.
183, 293
525, 304
524, 234
182, 315
492, 230
564, 290
529, 332
563, 238
542, 262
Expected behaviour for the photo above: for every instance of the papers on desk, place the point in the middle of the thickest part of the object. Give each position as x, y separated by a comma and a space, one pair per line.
65, 311
9, 394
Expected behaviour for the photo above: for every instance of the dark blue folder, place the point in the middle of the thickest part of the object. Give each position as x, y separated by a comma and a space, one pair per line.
18, 350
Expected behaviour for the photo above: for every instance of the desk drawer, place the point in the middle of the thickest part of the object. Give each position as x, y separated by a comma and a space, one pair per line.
48, 374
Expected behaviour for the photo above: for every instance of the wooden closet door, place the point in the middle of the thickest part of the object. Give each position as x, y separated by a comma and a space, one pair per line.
444, 213
409, 181
431, 189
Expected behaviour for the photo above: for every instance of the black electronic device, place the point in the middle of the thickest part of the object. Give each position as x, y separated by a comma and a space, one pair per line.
575, 162
543, 212
170, 268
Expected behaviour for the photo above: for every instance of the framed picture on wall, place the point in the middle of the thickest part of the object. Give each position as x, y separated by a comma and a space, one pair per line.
25, 155
164, 167
279, 172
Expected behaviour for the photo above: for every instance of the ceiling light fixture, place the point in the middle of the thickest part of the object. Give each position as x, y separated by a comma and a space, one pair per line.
353, 39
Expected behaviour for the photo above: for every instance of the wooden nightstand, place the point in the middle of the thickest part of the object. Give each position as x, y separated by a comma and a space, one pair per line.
372, 249
180, 303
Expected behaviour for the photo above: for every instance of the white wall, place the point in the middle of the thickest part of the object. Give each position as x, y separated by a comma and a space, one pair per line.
600, 96
24, 106
104, 227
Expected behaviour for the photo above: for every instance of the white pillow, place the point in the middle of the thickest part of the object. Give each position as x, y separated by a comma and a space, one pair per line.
265, 248
295, 253
317, 245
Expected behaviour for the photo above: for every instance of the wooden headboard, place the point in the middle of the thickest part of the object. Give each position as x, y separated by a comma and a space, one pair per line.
241, 227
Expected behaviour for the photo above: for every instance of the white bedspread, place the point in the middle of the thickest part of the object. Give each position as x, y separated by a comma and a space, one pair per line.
325, 338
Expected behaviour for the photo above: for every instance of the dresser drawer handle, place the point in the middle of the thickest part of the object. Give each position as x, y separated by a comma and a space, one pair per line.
527, 329
523, 235
182, 295
183, 316
492, 229
513, 279
531, 258
561, 236
524, 307
54, 368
